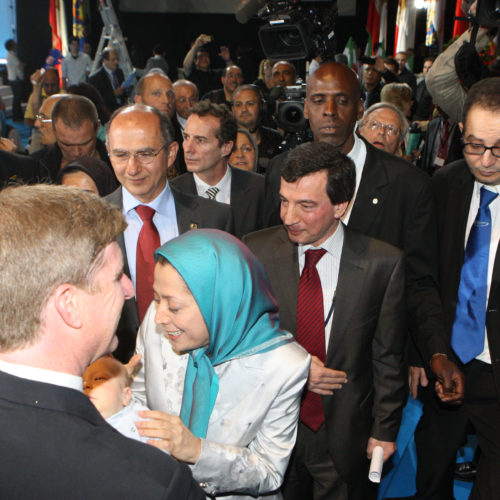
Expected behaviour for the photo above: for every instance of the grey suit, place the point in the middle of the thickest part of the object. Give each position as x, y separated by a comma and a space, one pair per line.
247, 198
367, 341
192, 212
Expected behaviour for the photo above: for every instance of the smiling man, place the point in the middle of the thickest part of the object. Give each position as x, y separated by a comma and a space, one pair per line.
141, 147
468, 214
231, 79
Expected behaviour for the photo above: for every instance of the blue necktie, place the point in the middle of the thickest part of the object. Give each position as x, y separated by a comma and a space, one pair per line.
467, 337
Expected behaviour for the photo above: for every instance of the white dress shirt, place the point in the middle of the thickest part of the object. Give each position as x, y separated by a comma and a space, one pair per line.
358, 155
224, 185
328, 269
42, 375
165, 220
495, 237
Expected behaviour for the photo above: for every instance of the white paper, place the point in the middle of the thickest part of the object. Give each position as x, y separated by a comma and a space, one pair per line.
376, 465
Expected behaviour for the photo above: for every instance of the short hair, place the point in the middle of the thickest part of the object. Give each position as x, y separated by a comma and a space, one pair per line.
49, 235
248, 86
403, 122
397, 94
141, 84
391, 61
73, 39
431, 59
485, 94
202, 49
182, 81
166, 128
73, 110
10, 44
228, 124
316, 156
107, 51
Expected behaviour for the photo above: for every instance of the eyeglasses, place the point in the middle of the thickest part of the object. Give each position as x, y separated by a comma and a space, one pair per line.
471, 148
43, 118
143, 156
388, 129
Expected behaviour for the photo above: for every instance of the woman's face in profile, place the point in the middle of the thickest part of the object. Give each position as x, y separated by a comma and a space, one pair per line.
177, 312
80, 179
243, 155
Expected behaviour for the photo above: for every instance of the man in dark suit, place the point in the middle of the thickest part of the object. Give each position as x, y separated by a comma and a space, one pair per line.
468, 217
56, 321
108, 80
358, 376
209, 136
392, 202
141, 147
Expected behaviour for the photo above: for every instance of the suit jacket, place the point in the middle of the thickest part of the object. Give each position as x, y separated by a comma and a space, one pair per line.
247, 198
56, 445
367, 339
252, 428
394, 204
100, 80
452, 187
192, 212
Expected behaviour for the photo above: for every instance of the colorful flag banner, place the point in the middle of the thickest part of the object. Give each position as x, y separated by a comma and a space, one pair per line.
434, 34
79, 21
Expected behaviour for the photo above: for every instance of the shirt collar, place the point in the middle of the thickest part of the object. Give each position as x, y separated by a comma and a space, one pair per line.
333, 245
41, 375
159, 204
223, 184
182, 121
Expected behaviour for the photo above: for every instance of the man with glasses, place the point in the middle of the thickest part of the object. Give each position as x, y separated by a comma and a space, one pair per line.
468, 216
75, 124
384, 126
141, 147
43, 120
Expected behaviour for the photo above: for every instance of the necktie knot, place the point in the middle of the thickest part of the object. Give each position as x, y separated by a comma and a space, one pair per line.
312, 257
487, 197
145, 213
212, 192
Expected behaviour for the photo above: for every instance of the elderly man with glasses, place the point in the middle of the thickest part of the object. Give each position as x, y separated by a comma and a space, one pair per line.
141, 147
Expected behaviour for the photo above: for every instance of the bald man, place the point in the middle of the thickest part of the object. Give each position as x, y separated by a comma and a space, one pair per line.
231, 79
392, 202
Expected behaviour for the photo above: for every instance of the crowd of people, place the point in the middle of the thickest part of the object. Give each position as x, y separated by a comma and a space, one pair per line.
255, 313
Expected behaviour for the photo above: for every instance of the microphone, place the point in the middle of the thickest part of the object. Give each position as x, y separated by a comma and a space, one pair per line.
248, 9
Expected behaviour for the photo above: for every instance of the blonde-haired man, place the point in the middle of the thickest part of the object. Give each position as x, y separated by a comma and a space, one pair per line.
63, 288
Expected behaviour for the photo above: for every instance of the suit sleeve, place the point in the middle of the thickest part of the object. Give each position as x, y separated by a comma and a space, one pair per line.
388, 352
260, 466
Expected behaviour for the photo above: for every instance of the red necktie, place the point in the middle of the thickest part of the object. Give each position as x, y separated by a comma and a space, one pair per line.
147, 243
311, 331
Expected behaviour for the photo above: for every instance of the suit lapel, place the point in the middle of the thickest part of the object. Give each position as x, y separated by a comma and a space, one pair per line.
116, 197
371, 194
185, 210
239, 200
351, 277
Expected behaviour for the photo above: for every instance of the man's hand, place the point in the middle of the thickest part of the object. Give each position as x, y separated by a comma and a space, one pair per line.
7, 145
450, 380
203, 40
225, 54
416, 377
324, 380
119, 91
134, 364
389, 447
36, 78
379, 64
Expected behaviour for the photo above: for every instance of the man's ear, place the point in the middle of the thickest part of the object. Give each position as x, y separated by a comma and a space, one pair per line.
172, 151
227, 148
306, 110
340, 209
461, 127
361, 109
137, 98
67, 303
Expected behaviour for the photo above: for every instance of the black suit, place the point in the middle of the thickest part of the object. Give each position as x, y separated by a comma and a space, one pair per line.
193, 212
100, 80
442, 427
247, 198
56, 445
367, 342
394, 204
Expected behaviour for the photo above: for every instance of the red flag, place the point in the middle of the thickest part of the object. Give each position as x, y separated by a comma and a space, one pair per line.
373, 22
459, 27
56, 39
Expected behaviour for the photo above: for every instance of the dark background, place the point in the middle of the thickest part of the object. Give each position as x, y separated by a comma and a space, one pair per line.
177, 31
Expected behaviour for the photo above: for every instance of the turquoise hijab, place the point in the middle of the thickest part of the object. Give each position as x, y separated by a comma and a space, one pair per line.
235, 299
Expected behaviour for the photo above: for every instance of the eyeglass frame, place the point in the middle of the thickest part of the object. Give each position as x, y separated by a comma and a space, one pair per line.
485, 148
374, 124
136, 154
42, 119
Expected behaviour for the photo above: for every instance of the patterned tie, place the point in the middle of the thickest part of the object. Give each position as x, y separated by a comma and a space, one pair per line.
467, 337
212, 192
311, 331
147, 243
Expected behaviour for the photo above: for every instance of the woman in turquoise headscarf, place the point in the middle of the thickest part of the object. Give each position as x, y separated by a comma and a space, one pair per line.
224, 380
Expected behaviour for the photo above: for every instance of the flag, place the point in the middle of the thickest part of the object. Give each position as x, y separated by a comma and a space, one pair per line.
434, 34
350, 53
376, 25
79, 21
459, 27
404, 37
57, 21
